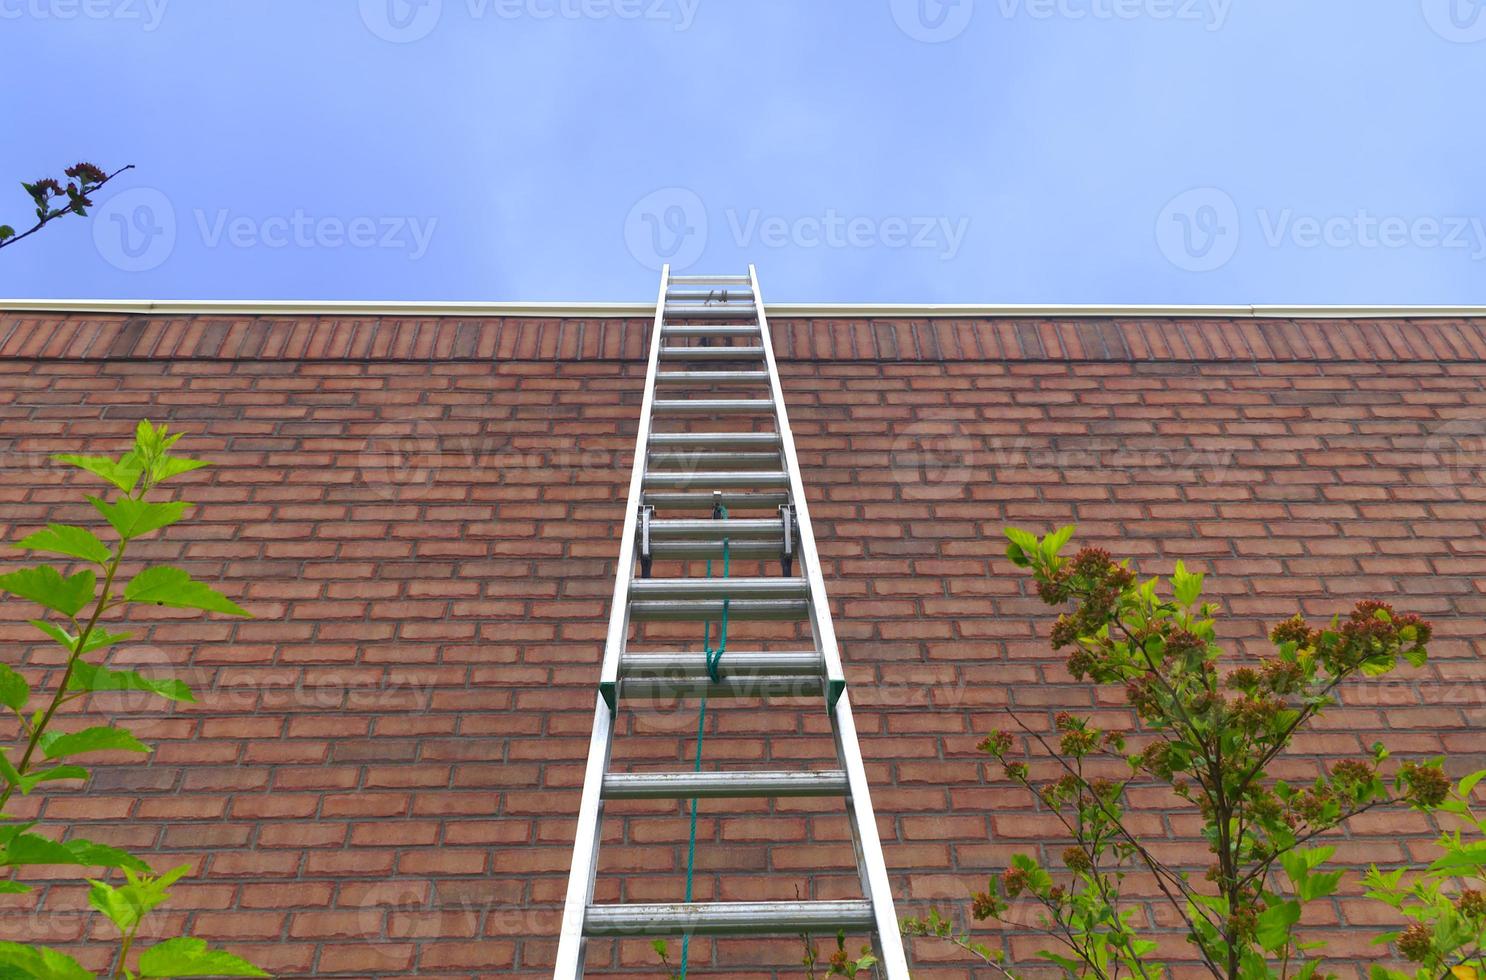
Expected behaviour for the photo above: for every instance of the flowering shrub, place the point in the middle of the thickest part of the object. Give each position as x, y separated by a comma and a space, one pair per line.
1446, 904
76, 606
1211, 731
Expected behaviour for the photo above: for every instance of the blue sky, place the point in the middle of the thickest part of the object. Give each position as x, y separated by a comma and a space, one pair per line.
1080, 151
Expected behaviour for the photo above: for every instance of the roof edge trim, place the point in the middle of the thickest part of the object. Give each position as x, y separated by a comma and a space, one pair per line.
565, 310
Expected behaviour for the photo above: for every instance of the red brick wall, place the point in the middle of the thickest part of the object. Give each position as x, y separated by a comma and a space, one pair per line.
381, 776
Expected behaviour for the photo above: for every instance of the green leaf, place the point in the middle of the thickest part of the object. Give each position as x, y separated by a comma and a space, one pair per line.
1416, 657
133, 518
123, 473
90, 677
1053, 543
99, 738
167, 586
65, 539
97, 639
187, 956
1186, 587
46, 586
35, 849
6, 232
41, 962
31, 780
14, 888
175, 466
126, 905
94, 855
1275, 922
14, 691
1469, 783
1025, 540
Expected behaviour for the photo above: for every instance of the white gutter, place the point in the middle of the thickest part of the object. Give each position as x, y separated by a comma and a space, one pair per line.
900, 311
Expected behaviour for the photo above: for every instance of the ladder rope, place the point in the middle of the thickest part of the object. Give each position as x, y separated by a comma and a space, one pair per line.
714, 663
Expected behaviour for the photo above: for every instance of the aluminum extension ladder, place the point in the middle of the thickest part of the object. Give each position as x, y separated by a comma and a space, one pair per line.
689, 471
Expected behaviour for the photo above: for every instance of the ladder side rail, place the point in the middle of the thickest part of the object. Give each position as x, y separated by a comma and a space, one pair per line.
820, 610
875, 885
624, 573
572, 946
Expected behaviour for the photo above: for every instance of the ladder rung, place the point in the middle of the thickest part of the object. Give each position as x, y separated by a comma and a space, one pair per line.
722, 294
715, 480
712, 406
740, 663
711, 377
738, 587
722, 785
698, 610
703, 311
711, 330
727, 918
713, 440
711, 353
765, 528
729, 460
699, 280
706, 501
741, 686
713, 549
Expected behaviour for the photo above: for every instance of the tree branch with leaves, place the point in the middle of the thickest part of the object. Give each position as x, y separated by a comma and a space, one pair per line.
83, 180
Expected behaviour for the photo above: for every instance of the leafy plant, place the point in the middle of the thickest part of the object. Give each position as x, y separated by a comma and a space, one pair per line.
1210, 735
1446, 904
84, 180
76, 605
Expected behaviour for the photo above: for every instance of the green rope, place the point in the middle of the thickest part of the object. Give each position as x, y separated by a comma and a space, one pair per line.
714, 662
